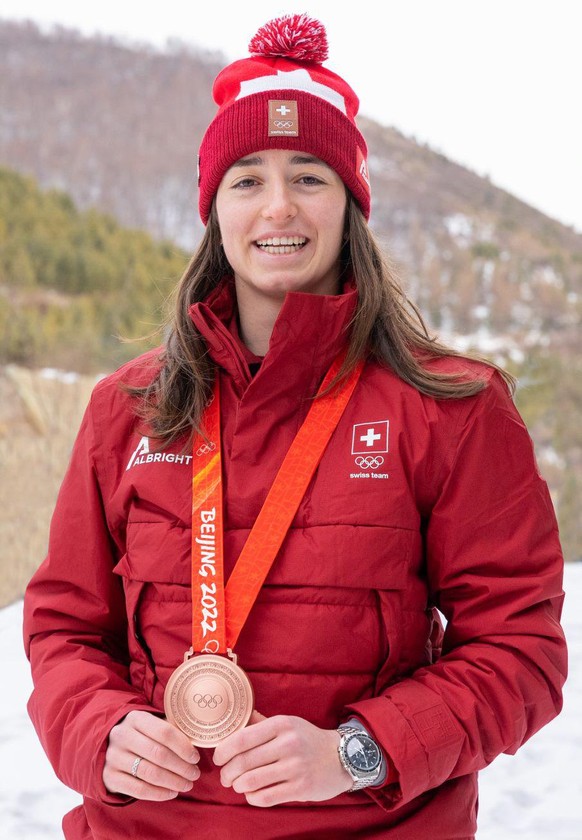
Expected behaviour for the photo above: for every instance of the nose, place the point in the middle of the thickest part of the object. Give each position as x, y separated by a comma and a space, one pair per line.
279, 202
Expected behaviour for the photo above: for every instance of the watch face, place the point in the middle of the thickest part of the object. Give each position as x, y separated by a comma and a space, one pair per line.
363, 753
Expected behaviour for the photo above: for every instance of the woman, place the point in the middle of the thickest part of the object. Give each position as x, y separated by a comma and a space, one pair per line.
408, 485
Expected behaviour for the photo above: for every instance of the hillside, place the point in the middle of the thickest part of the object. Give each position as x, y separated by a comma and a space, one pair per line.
118, 127
114, 129
75, 287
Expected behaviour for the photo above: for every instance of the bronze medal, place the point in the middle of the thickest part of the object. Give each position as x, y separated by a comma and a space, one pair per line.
208, 697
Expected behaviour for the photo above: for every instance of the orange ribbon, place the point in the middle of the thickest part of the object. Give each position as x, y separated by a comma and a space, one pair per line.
218, 611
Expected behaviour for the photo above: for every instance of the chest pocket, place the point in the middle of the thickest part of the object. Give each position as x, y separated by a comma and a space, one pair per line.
334, 599
155, 571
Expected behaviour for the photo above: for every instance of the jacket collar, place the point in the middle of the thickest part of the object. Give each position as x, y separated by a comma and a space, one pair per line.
308, 333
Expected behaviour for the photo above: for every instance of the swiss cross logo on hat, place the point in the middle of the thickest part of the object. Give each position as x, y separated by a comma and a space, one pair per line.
370, 438
283, 118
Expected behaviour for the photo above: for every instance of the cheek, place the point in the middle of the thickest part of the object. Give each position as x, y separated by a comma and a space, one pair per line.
335, 231
333, 217
227, 213
232, 253
231, 230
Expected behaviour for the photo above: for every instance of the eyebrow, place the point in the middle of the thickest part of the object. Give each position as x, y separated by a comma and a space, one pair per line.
296, 159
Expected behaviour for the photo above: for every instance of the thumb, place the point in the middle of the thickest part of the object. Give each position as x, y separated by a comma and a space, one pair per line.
256, 717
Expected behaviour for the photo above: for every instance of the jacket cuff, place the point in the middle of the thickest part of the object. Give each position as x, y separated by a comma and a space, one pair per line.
420, 735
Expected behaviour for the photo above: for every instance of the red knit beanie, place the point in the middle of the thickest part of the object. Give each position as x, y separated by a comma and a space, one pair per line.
283, 98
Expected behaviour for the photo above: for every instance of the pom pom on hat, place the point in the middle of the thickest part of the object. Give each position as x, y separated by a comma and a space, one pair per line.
292, 36
284, 98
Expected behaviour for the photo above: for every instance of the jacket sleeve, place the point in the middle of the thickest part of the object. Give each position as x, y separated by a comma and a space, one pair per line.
75, 630
494, 569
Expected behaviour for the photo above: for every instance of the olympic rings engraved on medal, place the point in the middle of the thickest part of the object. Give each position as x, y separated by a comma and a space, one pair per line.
208, 701
283, 124
209, 677
370, 462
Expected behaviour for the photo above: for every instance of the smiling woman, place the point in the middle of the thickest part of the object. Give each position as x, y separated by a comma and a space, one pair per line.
238, 625
282, 217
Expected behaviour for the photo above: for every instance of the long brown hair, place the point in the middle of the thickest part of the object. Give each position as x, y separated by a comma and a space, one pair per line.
386, 326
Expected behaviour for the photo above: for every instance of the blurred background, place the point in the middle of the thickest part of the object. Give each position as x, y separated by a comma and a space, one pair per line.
472, 116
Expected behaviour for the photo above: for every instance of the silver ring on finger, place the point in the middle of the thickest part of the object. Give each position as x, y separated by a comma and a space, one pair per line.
135, 765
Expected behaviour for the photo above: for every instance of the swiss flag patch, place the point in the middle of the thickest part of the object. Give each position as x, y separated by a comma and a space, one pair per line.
370, 438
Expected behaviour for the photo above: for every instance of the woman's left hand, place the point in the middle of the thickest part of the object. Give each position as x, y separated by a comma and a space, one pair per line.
282, 759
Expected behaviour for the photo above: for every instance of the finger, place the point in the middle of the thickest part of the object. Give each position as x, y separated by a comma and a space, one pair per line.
158, 777
164, 733
166, 769
121, 775
143, 738
139, 789
146, 748
245, 762
128, 785
261, 777
269, 796
126, 763
245, 739
256, 717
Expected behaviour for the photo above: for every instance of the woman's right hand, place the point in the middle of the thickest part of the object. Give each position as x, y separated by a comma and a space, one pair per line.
168, 765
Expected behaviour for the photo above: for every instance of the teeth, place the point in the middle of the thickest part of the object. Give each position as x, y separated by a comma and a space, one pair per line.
282, 241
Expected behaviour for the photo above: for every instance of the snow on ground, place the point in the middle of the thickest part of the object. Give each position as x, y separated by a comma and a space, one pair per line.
535, 795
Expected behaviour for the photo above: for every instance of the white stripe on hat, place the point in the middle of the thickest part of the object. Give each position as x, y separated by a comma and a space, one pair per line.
294, 80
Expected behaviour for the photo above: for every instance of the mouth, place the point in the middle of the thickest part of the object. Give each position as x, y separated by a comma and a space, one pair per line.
281, 244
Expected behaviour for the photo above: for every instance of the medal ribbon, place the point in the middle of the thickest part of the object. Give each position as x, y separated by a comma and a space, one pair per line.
219, 612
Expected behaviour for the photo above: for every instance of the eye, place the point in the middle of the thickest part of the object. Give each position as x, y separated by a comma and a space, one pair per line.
245, 183
310, 180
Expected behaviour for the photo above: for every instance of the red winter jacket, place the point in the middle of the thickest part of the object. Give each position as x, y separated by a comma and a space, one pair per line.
417, 504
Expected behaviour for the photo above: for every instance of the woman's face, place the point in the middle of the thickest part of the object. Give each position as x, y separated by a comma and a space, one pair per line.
281, 216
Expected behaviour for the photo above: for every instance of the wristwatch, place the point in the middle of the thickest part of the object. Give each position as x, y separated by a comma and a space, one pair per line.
360, 755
